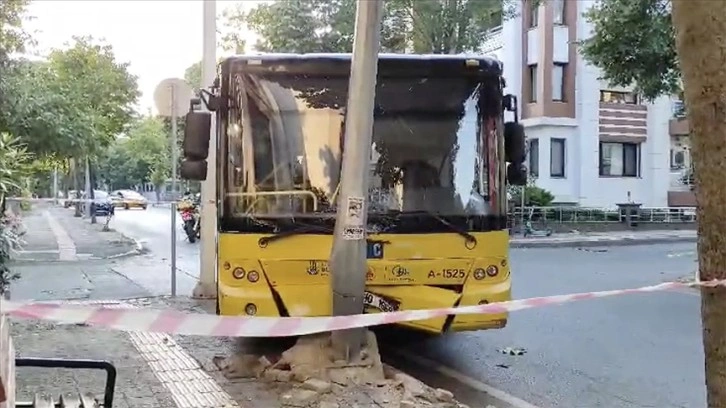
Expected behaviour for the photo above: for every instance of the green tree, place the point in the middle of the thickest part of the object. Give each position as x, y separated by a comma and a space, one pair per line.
139, 157
103, 89
42, 111
71, 106
426, 26
12, 35
193, 76
644, 55
656, 53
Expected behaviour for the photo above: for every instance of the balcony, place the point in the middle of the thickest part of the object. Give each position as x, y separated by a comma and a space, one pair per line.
678, 125
680, 192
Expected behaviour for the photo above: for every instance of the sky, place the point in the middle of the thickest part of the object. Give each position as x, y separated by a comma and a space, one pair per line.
159, 39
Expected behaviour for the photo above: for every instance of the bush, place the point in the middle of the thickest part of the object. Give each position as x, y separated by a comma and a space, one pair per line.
533, 197
9, 239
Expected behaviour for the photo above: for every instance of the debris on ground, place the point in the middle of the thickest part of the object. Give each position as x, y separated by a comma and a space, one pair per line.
307, 376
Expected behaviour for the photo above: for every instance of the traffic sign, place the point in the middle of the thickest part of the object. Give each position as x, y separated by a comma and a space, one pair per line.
172, 97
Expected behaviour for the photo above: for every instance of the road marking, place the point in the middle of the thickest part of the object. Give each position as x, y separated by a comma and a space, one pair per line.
680, 254
66, 246
464, 379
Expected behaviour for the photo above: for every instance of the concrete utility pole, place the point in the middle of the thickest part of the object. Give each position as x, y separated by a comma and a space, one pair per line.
348, 257
174, 157
207, 286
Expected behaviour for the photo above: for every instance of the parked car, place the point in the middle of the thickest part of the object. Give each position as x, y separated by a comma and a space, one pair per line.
129, 199
102, 203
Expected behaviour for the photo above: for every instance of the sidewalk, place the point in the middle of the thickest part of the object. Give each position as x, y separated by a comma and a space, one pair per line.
136, 385
605, 239
54, 234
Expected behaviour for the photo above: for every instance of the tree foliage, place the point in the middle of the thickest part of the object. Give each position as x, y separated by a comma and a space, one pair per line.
14, 159
193, 76
133, 160
12, 35
41, 110
102, 87
72, 105
423, 26
633, 43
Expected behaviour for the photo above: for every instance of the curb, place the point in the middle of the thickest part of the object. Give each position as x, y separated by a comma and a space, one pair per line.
138, 248
601, 243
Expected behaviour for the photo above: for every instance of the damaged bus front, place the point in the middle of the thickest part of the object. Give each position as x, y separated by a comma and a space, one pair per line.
440, 161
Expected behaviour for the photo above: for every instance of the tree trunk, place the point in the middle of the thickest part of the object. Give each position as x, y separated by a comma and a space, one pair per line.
92, 182
702, 52
76, 186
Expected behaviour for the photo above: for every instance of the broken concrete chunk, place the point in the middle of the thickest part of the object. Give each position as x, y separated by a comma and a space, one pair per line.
444, 395
298, 398
411, 386
408, 404
319, 386
284, 376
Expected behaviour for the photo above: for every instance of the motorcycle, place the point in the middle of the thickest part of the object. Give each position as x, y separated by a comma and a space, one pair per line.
190, 219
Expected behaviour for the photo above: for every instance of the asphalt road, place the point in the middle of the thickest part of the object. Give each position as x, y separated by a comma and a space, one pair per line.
628, 351
152, 227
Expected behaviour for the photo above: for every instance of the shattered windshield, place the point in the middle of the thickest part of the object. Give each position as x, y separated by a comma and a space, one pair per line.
430, 149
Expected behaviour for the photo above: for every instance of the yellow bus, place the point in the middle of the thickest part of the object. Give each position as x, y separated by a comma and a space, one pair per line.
440, 161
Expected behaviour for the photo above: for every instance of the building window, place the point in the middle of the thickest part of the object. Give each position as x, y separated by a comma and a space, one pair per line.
558, 82
629, 98
533, 83
533, 147
533, 13
619, 159
558, 8
557, 157
678, 159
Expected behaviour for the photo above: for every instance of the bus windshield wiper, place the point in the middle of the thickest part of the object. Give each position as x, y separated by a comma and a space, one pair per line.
470, 239
294, 230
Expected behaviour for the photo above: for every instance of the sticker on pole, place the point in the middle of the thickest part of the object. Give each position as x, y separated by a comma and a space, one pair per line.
355, 212
353, 232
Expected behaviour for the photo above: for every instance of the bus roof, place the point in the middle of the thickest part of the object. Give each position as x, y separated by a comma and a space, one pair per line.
332, 63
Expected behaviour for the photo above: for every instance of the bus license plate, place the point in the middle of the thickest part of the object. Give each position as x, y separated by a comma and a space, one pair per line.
374, 250
384, 305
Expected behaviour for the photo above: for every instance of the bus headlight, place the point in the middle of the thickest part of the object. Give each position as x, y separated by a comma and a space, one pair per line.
492, 270
253, 276
238, 273
479, 274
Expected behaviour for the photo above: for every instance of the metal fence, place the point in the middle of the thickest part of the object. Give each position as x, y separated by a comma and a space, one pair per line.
603, 215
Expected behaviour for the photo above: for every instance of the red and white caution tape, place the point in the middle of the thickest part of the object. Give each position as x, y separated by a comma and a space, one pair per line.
175, 322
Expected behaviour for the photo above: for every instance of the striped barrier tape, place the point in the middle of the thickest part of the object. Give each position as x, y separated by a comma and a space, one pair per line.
176, 322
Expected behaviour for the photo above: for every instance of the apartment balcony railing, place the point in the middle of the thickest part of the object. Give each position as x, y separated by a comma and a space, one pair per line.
678, 125
681, 180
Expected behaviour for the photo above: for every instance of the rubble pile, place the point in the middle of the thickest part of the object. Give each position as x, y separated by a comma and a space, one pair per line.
309, 377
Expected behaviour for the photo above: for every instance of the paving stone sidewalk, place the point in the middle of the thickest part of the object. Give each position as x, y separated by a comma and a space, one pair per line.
54, 234
605, 239
136, 387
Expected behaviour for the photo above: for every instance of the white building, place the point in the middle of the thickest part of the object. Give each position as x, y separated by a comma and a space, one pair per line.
591, 144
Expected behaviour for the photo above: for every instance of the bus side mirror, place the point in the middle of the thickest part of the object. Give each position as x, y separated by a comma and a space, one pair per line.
514, 143
516, 175
193, 170
196, 135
